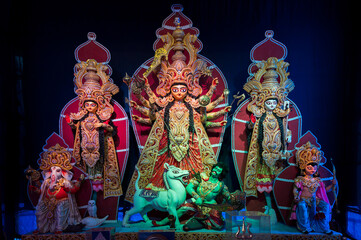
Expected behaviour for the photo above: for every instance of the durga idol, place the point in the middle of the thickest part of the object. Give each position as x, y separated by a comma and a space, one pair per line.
178, 113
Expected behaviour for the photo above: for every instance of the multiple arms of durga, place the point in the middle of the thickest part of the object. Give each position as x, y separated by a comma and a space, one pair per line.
149, 107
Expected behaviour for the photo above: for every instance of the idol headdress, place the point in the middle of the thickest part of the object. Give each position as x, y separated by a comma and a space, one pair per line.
269, 82
56, 156
94, 84
178, 65
307, 154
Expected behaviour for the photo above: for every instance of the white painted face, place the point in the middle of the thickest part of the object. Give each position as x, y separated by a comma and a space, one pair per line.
91, 203
270, 104
56, 173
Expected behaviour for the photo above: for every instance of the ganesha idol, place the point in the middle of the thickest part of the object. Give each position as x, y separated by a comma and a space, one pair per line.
56, 208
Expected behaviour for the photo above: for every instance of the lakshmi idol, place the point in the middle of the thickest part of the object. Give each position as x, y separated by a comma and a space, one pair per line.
268, 126
177, 112
94, 149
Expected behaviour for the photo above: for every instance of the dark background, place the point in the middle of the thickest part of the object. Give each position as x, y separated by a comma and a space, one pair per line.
323, 44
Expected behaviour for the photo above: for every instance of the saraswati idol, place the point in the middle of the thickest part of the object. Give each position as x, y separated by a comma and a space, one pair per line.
177, 111
270, 134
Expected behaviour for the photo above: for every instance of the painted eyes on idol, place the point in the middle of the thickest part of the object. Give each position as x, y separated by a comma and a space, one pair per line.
183, 90
271, 102
311, 168
90, 104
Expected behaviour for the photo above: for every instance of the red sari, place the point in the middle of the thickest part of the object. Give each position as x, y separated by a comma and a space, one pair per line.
195, 151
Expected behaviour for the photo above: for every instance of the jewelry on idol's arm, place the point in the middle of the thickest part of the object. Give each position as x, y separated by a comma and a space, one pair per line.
212, 105
217, 114
212, 87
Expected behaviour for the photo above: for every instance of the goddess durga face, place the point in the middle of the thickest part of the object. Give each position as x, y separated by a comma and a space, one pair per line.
91, 106
179, 91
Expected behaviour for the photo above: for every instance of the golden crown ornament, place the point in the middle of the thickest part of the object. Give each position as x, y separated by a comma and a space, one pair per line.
179, 69
93, 83
56, 156
269, 82
307, 154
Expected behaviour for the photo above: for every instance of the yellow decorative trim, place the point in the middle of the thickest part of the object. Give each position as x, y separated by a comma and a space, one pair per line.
56, 156
307, 154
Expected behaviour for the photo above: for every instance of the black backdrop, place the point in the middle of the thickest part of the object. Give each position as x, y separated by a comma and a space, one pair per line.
323, 44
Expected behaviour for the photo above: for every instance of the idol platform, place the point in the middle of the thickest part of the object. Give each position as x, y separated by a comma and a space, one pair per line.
281, 232
117, 232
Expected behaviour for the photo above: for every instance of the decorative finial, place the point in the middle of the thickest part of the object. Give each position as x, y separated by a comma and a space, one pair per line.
127, 79
92, 36
177, 8
269, 34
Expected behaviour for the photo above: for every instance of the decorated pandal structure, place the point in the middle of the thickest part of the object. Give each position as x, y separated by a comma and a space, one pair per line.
179, 108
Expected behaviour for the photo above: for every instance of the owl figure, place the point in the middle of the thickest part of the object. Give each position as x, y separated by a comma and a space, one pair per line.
92, 208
